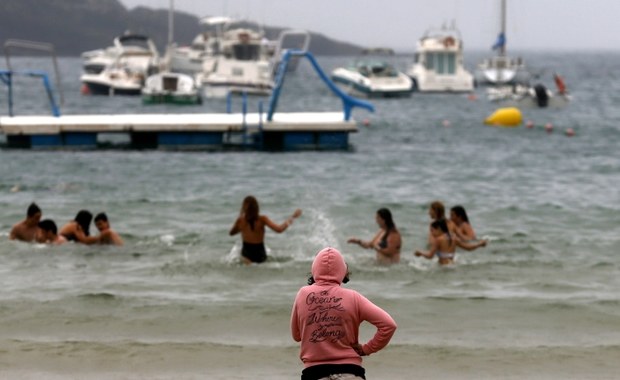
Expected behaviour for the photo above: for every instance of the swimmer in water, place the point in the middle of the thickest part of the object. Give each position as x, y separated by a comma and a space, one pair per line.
444, 244
28, 229
464, 230
251, 225
49, 233
386, 242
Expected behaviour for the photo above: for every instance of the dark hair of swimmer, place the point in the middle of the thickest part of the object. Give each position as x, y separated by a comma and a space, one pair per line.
251, 210
101, 216
460, 212
386, 215
83, 218
32, 210
48, 225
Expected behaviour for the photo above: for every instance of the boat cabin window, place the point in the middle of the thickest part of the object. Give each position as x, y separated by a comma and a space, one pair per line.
501, 63
441, 63
451, 58
430, 61
245, 52
170, 83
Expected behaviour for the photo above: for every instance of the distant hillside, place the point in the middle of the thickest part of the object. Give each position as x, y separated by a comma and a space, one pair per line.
74, 26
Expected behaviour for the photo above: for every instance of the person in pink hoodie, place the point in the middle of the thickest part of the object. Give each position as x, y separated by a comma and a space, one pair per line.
326, 319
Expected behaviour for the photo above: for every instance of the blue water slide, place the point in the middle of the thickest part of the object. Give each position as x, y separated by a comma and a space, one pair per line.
348, 101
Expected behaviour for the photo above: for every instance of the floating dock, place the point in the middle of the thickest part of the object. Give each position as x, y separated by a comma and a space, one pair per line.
286, 131
254, 131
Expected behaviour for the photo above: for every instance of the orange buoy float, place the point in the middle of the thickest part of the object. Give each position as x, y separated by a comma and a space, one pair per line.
570, 132
84, 90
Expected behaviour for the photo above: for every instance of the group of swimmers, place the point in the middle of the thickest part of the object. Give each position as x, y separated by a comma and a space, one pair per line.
444, 236
34, 230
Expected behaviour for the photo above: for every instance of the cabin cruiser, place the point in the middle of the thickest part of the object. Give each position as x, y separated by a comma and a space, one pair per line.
372, 75
438, 63
121, 69
244, 64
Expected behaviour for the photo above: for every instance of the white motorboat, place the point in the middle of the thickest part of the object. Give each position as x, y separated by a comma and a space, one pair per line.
173, 88
502, 69
438, 63
243, 66
204, 47
537, 96
132, 59
372, 75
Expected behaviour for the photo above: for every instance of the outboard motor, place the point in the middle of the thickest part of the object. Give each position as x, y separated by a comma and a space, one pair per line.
542, 97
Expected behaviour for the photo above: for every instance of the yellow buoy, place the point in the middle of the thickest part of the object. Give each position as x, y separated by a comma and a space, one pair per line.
505, 117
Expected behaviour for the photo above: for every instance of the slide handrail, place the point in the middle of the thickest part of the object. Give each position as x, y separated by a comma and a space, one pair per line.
348, 101
6, 77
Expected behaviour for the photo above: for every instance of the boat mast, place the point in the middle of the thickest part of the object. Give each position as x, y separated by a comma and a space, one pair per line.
502, 48
165, 66
171, 23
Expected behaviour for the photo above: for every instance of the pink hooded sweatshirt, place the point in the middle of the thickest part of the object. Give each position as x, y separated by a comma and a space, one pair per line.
326, 317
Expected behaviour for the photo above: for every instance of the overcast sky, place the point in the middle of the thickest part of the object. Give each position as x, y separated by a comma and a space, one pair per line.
531, 24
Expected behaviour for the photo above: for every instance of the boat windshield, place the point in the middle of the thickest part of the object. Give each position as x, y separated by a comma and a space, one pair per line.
246, 52
376, 69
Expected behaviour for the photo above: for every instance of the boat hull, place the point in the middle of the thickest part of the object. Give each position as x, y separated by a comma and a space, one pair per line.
362, 89
100, 88
184, 99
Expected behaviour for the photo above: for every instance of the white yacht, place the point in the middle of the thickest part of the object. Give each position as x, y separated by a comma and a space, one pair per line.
502, 69
372, 75
243, 65
121, 69
438, 63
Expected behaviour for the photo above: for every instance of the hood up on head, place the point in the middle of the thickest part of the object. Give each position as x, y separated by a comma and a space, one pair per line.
329, 266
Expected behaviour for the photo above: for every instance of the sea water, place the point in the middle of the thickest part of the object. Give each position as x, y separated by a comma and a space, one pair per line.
541, 301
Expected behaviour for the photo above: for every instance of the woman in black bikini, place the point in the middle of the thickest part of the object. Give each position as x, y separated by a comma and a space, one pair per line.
252, 227
386, 242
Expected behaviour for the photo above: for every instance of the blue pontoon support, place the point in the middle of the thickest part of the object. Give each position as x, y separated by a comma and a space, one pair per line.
348, 101
6, 76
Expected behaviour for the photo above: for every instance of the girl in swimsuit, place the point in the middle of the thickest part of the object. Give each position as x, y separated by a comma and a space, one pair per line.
464, 230
444, 245
437, 211
386, 242
251, 225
